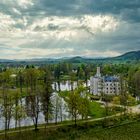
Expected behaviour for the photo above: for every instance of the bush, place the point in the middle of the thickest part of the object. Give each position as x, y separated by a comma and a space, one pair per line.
107, 123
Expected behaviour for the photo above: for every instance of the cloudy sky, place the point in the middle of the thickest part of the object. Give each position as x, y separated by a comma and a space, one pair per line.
62, 28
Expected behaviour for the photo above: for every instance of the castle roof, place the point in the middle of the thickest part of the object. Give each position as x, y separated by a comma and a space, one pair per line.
111, 79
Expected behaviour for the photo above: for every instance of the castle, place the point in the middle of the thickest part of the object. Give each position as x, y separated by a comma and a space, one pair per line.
104, 84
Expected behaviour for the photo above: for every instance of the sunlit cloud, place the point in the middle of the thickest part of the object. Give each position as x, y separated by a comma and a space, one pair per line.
69, 25
16, 11
53, 29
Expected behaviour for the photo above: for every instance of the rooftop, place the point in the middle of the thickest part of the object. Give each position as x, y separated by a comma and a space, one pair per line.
111, 79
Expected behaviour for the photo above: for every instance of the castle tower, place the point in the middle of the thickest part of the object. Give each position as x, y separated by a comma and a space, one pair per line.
98, 73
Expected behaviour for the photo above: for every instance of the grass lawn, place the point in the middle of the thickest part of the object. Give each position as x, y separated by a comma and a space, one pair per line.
96, 111
89, 131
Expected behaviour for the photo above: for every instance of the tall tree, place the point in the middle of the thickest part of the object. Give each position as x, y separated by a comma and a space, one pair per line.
76, 102
46, 96
135, 84
33, 90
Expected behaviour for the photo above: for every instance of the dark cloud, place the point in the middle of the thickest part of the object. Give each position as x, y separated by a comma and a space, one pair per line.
127, 9
125, 38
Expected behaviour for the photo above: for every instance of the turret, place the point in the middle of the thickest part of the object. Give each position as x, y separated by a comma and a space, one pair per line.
98, 73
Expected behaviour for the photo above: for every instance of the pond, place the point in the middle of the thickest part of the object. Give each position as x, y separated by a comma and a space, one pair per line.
64, 109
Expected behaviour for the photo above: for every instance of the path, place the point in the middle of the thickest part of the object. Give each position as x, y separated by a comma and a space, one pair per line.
58, 125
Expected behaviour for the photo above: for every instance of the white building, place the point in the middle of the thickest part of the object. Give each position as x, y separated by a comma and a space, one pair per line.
104, 84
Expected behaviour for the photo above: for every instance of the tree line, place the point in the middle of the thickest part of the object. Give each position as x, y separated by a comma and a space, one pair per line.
29, 91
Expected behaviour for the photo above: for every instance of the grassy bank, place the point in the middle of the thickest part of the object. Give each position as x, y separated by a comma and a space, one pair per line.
84, 131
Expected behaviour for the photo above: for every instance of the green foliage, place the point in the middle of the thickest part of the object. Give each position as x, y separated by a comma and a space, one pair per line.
96, 110
78, 103
131, 101
19, 113
84, 107
116, 100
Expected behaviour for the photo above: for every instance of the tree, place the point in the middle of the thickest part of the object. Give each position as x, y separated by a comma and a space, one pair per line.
33, 109
46, 96
7, 99
131, 100
33, 90
57, 74
106, 100
17, 97
86, 71
136, 79
84, 108
72, 79
78, 104
73, 105
123, 93
19, 113
87, 74
21, 80
80, 73
57, 106
116, 100
132, 81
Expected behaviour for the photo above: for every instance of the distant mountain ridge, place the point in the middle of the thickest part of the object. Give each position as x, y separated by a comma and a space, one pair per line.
6, 60
133, 55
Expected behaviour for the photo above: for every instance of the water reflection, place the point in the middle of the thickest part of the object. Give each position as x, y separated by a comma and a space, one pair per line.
62, 111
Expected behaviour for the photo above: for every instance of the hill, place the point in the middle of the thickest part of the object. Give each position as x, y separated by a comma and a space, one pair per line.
87, 131
134, 55
130, 56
